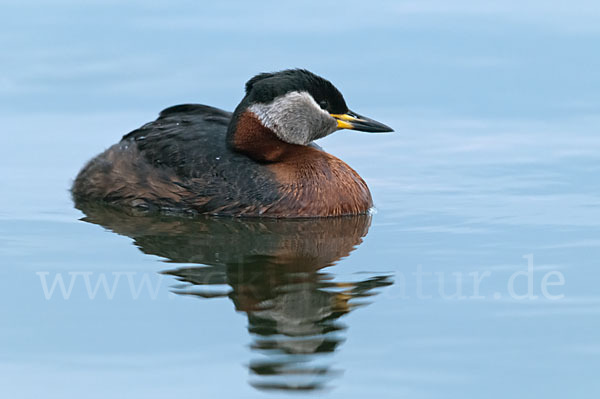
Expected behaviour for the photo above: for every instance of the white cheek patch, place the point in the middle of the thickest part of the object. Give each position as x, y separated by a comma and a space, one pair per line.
295, 117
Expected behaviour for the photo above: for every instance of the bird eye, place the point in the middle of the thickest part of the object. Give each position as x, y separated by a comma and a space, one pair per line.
324, 104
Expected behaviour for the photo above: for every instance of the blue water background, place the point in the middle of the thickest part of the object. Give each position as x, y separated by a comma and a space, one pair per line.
496, 109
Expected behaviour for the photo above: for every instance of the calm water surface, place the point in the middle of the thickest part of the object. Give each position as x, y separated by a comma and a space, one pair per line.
476, 276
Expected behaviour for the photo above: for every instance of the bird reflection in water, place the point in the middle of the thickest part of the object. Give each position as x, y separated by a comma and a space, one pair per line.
273, 271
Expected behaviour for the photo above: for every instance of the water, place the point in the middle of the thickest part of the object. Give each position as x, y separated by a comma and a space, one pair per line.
476, 276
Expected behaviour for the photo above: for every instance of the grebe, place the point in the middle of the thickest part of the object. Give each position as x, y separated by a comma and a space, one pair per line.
258, 161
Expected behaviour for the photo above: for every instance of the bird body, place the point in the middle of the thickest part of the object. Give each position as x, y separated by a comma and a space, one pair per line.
258, 161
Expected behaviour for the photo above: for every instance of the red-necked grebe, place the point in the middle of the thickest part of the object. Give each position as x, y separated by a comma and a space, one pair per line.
258, 161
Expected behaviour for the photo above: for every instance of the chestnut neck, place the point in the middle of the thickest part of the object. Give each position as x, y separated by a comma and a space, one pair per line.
250, 137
